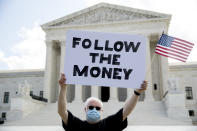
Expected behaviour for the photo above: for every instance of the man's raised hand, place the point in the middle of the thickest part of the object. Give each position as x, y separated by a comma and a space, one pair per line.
62, 81
143, 87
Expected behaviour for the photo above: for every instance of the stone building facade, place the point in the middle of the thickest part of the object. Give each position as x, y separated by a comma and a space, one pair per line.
105, 18
186, 77
10, 83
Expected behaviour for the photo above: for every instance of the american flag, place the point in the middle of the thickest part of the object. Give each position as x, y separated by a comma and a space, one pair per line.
174, 48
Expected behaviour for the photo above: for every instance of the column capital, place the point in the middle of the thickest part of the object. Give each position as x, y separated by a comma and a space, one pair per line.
49, 43
62, 42
153, 36
52, 42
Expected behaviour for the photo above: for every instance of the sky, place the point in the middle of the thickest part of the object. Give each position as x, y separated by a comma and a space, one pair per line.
22, 43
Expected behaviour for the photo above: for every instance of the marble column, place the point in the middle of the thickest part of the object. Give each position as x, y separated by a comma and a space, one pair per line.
78, 93
164, 73
49, 71
63, 45
148, 92
94, 91
113, 94
60, 61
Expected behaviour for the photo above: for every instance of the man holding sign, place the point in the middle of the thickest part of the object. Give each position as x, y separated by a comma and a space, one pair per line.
102, 59
93, 110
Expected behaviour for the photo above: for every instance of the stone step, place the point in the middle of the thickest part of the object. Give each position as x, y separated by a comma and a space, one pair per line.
145, 113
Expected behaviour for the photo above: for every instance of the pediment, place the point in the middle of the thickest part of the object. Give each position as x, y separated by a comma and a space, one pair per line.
104, 13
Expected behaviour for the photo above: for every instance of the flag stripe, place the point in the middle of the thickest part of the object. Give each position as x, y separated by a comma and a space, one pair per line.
184, 41
172, 50
182, 44
181, 47
171, 54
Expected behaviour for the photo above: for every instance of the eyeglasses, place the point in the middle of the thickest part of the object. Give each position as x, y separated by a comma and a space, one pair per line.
92, 107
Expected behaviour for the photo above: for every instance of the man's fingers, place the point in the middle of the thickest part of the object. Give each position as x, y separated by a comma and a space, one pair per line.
61, 81
144, 85
62, 74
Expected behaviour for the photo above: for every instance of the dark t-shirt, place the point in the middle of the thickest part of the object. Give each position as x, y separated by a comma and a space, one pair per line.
110, 123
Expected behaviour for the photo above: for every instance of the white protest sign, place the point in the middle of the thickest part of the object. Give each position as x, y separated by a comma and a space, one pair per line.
105, 59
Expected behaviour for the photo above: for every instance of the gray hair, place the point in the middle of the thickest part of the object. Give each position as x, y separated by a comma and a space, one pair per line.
95, 99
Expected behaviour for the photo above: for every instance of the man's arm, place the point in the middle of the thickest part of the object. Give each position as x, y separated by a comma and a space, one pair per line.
62, 111
132, 101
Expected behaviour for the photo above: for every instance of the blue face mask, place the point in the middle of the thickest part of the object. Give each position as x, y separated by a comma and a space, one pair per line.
93, 115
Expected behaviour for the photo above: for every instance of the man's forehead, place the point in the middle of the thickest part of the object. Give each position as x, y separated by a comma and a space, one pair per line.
94, 103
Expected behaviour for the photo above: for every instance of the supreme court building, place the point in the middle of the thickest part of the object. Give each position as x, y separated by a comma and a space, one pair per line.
104, 18
164, 102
